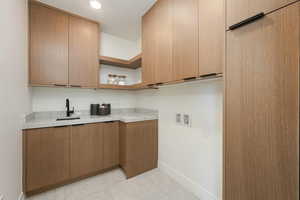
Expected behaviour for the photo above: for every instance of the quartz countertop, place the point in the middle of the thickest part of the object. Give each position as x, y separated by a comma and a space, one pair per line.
48, 119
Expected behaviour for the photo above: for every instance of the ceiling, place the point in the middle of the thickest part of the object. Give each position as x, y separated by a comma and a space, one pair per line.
121, 18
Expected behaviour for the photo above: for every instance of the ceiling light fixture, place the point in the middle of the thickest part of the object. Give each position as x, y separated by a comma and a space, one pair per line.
95, 4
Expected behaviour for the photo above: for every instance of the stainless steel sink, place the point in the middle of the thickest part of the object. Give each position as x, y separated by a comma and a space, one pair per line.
67, 118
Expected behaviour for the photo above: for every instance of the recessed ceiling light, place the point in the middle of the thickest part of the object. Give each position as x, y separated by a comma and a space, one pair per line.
95, 4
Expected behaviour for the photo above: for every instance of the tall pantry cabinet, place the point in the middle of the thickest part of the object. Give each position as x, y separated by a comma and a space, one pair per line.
261, 141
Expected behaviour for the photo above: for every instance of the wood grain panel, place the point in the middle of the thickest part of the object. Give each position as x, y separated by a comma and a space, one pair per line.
138, 147
238, 10
262, 109
148, 47
185, 39
133, 63
83, 53
86, 149
111, 144
150, 131
48, 46
47, 160
164, 41
211, 36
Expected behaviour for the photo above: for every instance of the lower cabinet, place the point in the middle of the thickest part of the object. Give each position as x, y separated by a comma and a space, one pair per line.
86, 149
138, 147
111, 144
57, 156
46, 157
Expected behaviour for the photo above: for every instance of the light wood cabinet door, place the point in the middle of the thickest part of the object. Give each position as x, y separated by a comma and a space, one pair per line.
211, 36
86, 149
185, 39
138, 147
48, 46
163, 44
111, 144
83, 53
148, 46
150, 131
46, 157
261, 139
239, 10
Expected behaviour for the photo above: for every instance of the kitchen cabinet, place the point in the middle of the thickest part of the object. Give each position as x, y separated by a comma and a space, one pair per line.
83, 53
138, 147
148, 46
48, 46
157, 43
111, 144
86, 149
64, 48
46, 157
211, 37
261, 141
185, 39
239, 10
163, 66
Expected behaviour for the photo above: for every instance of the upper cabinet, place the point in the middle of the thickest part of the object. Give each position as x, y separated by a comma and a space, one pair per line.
148, 46
185, 39
83, 53
211, 37
64, 48
239, 10
48, 46
157, 43
163, 38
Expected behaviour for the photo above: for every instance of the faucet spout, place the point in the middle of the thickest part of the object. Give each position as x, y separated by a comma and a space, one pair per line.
69, 112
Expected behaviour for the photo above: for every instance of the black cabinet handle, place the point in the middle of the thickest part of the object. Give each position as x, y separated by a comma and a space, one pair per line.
60, 85
108, 122
78, 124
77, 86
190, 78
247, 21
60, 126
208, 75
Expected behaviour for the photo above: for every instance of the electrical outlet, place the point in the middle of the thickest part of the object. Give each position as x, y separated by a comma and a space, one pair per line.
178, 119
186, 120
1, 197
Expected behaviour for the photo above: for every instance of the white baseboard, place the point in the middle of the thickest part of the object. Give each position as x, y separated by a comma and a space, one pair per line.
21, 196
186, 182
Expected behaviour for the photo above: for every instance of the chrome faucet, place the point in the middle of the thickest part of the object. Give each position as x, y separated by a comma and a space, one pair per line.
69, 112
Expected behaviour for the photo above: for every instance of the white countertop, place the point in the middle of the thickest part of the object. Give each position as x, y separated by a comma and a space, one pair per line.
127, 117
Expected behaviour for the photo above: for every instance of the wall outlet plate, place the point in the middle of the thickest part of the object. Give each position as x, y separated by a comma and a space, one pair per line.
187, 120
178, 119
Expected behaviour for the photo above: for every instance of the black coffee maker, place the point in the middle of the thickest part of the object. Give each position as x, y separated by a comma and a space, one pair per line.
100, 110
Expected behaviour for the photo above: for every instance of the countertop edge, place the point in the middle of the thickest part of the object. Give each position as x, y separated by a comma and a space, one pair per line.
49, 124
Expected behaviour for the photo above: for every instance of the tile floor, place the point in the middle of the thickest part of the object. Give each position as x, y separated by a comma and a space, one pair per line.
153, 185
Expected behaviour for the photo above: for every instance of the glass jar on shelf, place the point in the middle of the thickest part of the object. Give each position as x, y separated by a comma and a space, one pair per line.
115, 79
122, 80
110, 79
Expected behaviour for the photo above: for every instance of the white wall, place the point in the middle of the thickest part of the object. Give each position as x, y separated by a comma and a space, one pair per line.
117, 47
54, 99
190, 155
14, 94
